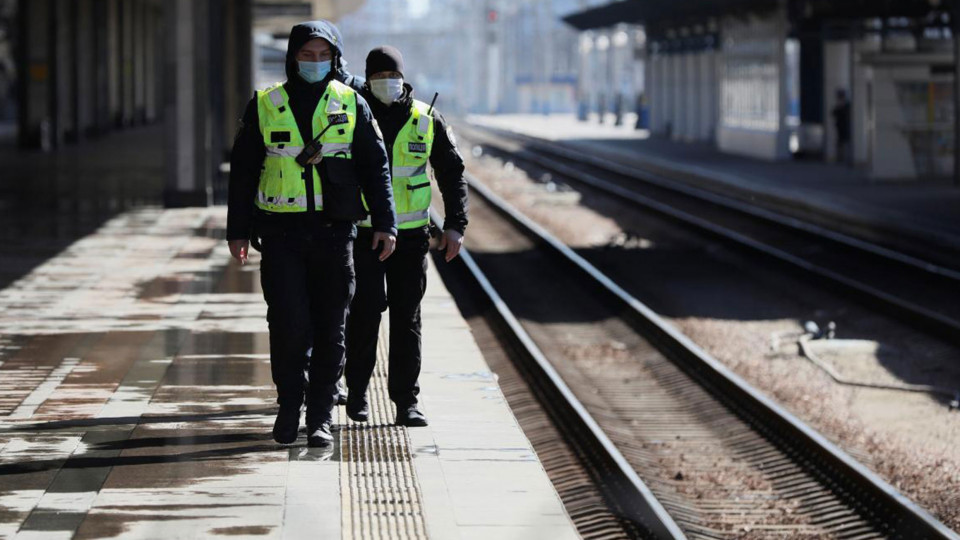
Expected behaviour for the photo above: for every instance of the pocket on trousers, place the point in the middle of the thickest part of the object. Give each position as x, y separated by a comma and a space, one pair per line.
341, 190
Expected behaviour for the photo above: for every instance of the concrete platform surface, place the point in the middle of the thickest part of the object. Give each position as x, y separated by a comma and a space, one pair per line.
136, 402
917, 213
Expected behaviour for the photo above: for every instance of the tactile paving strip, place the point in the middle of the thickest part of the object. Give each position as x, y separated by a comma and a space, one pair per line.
380, 492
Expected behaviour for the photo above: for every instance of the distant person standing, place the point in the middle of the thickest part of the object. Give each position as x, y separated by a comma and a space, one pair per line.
841, 120
414, 134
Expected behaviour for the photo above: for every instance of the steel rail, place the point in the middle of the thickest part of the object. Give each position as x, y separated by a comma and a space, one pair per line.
861, 488
725, 201
928, 320
635, 499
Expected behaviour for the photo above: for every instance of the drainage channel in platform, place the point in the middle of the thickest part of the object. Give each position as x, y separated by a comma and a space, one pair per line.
381, 495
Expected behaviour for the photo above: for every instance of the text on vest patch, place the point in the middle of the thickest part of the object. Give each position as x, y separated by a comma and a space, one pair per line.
337, 119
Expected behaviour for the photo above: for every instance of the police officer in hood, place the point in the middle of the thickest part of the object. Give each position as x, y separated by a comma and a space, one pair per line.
303, 218
414, 135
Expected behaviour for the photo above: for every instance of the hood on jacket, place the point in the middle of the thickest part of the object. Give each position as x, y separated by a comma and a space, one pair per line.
306, 31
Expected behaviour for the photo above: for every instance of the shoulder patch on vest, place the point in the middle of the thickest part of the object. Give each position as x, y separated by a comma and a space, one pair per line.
376, 128
453, 140
417, 147
276, 97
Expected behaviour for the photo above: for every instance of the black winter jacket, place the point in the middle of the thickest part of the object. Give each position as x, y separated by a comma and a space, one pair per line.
370, 161
445, 158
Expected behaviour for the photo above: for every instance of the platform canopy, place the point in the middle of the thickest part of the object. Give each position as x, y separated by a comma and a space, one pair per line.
680, 12
654, 11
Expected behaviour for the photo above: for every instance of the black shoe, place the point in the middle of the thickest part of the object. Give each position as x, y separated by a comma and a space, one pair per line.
410, 416
357, 408
342, 394
287, 425
320, 437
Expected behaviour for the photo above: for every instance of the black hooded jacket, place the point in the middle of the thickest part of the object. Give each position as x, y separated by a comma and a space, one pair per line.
445, 159
370, 161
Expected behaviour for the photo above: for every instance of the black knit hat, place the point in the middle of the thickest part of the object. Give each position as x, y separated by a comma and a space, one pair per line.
384, 58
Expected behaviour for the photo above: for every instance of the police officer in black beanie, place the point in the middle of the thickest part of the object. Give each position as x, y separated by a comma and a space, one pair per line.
414, 135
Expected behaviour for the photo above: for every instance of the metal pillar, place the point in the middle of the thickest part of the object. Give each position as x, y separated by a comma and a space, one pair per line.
101, 115
207, 78
182, 187
37, 99
955, 34
113, 61
85, 69
127, 62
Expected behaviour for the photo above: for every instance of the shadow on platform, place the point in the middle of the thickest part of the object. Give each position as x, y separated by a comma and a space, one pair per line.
49, 200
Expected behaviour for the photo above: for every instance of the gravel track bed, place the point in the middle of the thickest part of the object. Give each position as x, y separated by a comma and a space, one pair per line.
573, 478
749, 316
712, 472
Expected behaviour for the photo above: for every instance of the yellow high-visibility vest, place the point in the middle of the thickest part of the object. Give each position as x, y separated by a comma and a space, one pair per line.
411, 185
283, 181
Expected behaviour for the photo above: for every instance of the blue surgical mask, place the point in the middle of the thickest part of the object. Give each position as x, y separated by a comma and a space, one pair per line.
313, 71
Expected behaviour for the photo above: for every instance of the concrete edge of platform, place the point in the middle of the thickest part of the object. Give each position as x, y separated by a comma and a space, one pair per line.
478, 474
841, 216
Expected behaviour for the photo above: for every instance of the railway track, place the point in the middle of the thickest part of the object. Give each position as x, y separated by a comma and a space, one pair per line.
678, 444
903, 286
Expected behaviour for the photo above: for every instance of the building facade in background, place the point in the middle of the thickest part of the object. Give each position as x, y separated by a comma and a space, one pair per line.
762, 79
490, 56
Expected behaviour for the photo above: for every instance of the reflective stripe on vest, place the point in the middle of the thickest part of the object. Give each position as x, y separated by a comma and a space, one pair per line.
337, 149
411, 184
416, 170
282, 186
419, 215
328, 150
286, 151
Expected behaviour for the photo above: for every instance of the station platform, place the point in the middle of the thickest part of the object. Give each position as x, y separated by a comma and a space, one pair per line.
920, 215
136, 401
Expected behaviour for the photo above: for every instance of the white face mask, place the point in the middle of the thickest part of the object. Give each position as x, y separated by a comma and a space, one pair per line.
387, 90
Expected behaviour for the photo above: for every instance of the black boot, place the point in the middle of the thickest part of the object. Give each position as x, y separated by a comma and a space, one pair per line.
410, 416
321, 436
357, 407
287, 425
341, 393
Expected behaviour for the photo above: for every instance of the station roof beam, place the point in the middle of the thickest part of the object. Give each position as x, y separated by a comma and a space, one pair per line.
677, 13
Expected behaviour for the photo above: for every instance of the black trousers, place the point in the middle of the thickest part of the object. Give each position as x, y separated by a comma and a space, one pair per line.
398, 283
308, 282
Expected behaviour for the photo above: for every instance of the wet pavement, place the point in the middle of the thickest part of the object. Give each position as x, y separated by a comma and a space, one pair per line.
49, 200
134, 388
136, 401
